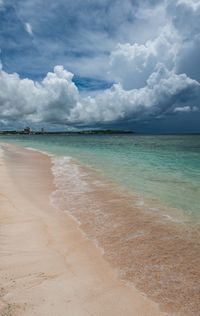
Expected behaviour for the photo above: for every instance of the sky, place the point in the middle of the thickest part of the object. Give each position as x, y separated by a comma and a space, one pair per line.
131, 64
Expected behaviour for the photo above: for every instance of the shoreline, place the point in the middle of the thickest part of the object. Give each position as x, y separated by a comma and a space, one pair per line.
47, 265
160, 256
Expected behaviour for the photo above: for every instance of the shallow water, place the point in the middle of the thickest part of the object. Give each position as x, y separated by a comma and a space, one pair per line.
148, 248
164, 168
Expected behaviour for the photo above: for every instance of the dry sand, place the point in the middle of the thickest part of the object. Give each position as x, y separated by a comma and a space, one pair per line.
47, 266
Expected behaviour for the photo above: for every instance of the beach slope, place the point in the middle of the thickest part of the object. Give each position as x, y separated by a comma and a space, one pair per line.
47, 266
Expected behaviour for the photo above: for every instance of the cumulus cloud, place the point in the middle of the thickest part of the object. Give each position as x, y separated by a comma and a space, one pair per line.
178, 39
163, 91
132, 64
177, 45
49, 100
57, 100
150, 50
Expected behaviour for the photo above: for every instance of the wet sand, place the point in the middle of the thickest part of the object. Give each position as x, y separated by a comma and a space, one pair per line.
48, 266
151, 250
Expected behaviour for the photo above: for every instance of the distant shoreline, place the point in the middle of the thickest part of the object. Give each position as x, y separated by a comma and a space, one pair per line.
90, 132
86, 132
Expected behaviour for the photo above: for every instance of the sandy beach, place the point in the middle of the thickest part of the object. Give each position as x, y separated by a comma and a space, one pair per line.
47, 266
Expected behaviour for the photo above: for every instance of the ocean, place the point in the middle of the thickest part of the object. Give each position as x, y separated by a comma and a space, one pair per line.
138, 199
163, 168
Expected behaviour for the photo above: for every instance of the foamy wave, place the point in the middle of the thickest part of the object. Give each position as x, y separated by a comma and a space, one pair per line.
71, 194
68, 179
65, 171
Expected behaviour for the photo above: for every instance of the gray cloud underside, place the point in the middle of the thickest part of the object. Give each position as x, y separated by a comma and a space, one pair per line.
57, 100
155, 76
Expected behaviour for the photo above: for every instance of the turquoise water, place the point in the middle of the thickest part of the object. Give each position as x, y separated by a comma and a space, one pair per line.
165, 168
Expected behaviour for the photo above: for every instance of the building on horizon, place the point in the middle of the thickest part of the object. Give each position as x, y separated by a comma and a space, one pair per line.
27, 130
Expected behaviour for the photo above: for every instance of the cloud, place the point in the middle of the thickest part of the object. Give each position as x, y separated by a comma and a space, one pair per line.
177, 41
81, 36
131, 65
49, 101
185, 15
186, 109
77, 34
177, 45
57, 100
28, 28
148, 49
163, 91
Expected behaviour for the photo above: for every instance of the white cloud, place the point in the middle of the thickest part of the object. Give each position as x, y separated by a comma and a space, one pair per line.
57, 100
28, 28
176, 46
154, 73
131, 65
186, 109
163, 90
49, 100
